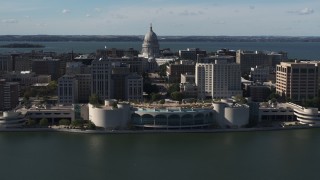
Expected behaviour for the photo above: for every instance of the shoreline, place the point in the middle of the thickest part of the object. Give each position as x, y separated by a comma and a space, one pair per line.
77, 131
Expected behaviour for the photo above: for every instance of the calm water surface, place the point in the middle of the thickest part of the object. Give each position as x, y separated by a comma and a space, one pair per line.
292, 154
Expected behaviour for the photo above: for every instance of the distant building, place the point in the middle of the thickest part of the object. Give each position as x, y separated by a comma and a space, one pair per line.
6, 63
174, 71
26, 78
9, 95
212, 59
117, 53
259, 74
218, 80
77, 68
49, 66
150, 46
192, 53
248, 59
298, 81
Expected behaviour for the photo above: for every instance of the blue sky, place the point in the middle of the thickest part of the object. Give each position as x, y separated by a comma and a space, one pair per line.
175, 17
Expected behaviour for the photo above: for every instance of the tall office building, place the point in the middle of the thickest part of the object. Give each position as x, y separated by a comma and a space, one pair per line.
150, 46
297, 80
67, 89
218, 80
101, 78
6, 63
9, 95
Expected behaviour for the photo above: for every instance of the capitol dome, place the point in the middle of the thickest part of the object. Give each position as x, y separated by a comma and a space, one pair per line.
150, 46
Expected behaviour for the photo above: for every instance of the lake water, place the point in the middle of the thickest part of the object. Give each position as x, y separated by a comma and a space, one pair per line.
291, 154
299, 50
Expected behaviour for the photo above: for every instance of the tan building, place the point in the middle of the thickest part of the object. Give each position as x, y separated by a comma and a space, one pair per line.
297, 80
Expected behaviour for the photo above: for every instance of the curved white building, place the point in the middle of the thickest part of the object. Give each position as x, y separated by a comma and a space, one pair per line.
10, 119
109, 116
306, 115
229, 114
172, 118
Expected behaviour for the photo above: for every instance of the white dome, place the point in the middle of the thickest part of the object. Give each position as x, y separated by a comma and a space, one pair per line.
150, 46
151, 38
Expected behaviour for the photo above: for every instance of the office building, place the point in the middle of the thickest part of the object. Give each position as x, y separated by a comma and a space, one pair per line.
67, 89
101, 78
297, 80
218, 80
9, 95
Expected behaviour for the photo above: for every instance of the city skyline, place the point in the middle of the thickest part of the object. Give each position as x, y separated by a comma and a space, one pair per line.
124, 17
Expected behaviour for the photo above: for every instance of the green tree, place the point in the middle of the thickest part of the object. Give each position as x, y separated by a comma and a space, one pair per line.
31, 122
162, 101
163, 70
173, 88
76, 123
91, 125
177, 96
44, 122
155, 96
94, 100
64, 122
51, 88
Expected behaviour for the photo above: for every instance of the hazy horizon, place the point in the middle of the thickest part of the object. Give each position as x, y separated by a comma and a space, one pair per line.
169, 18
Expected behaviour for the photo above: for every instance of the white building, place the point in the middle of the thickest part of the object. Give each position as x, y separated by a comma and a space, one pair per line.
218, 80
110, 116
150, 46
229, 114
67, 89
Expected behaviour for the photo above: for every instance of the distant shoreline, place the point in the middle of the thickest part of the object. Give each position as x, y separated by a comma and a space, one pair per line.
132, 38
22, 45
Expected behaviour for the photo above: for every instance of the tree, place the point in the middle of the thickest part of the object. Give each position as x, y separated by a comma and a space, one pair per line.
64, 122
178, 96
52, 88
91, 125
150, 88
163, 70
173, 88
94, 100
77, 123
162, 101
31, 122
155, 96
44, 122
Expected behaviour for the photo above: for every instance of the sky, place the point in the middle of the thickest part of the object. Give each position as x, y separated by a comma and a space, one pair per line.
168, 17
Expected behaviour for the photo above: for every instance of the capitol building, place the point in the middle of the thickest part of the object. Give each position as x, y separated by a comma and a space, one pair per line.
150, 46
